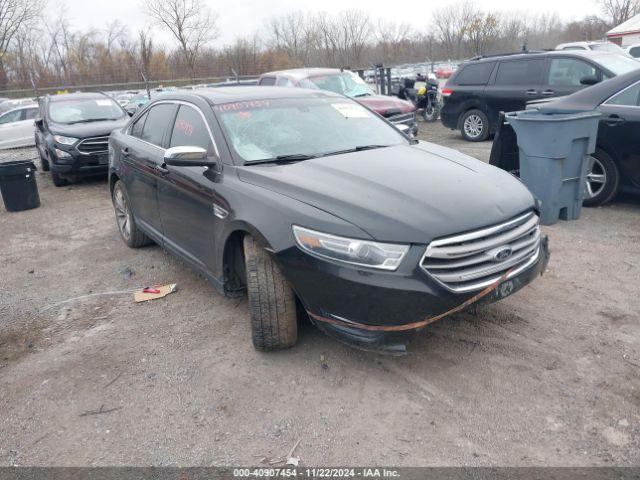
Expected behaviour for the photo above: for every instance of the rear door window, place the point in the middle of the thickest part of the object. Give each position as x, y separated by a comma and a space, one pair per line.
520, 72
268, 81
569, 71
284, 82
157, 122
475, 74
30, 113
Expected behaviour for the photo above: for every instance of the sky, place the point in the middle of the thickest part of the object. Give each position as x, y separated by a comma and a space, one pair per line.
238, 18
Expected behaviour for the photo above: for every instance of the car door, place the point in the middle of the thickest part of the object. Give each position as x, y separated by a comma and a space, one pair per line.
190, 207
515, 82
15, 129
564, 76
143, 157
619, 132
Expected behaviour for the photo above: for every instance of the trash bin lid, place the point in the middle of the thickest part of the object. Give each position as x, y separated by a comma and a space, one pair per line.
550, 115
16, 167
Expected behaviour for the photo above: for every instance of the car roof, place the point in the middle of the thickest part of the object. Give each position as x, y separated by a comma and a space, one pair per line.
553, 53
302, 73
77, 96
220, 95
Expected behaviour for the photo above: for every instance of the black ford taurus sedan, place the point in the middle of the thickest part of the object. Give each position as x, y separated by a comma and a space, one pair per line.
308, 201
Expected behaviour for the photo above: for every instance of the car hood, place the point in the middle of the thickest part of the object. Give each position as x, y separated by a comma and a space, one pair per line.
381, 104
400, 194
85, 130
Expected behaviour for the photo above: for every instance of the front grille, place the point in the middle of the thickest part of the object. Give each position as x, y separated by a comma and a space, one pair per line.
475, 260
406, 118
93, 145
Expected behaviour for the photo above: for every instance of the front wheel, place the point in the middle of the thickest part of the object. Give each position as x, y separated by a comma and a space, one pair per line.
272, 302
475, 126
602, 179
58, 181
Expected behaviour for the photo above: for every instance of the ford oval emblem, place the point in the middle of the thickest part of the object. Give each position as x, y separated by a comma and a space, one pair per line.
503, 254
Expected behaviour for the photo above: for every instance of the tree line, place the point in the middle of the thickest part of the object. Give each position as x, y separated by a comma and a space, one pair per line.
52, 53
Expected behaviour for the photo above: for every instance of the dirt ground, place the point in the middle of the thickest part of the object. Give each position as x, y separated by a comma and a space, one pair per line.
549, 376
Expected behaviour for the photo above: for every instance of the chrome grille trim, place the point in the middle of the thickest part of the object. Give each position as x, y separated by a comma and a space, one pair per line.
408, 118
93, 145
468, 262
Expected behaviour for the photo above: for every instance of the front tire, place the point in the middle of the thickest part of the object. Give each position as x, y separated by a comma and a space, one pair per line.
603, 179
58, 181
272, 303
129, 231
43, 161
475, 126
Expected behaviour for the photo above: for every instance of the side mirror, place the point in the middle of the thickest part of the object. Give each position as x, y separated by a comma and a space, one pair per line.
589, 80
188, 157
39, 122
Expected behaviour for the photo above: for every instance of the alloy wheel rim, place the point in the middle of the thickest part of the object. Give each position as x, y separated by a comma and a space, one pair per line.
596, 178
473, 126
122, 213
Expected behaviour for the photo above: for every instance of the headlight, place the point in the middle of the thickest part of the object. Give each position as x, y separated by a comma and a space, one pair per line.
386, 256
64, 140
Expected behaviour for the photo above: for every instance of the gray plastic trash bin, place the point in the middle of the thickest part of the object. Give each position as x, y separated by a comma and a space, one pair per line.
553, 147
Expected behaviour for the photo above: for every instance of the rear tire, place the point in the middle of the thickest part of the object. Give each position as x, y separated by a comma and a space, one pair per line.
603, 179
129, 231
474, 126
272, 303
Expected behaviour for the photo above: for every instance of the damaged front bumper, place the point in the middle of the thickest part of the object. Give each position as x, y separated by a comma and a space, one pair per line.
378, 311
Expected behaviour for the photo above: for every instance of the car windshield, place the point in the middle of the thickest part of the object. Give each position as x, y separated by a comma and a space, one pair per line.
85, 110
344, 83
261, 130
618, 64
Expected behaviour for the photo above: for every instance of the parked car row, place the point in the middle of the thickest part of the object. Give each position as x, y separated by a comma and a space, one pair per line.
480, 89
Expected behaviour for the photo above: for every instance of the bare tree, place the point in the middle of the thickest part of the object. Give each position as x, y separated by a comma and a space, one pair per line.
14, 15
294, 34
145, 46
191, 23
482, 31
619, 11
451, 23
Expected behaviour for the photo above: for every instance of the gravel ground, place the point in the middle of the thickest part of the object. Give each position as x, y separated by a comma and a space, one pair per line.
549, 376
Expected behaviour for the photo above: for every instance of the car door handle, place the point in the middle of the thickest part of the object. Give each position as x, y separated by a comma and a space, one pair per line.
548, 93
161, 169
613, 120
531, 92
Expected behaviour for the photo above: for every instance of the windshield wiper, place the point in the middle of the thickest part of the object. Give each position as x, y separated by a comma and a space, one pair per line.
362, 95
88, 120
359, 148
293, 157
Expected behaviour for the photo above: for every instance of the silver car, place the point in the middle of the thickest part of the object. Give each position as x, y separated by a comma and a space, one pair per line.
17, 128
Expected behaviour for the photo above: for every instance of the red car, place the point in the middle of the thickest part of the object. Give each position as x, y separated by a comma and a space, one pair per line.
349, 84
445, 72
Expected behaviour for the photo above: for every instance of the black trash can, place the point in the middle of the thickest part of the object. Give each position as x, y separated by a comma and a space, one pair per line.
18, 185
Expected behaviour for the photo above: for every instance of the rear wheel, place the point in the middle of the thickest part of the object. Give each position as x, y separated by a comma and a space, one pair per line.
602, 179
475, 126
272, 302
129, 231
